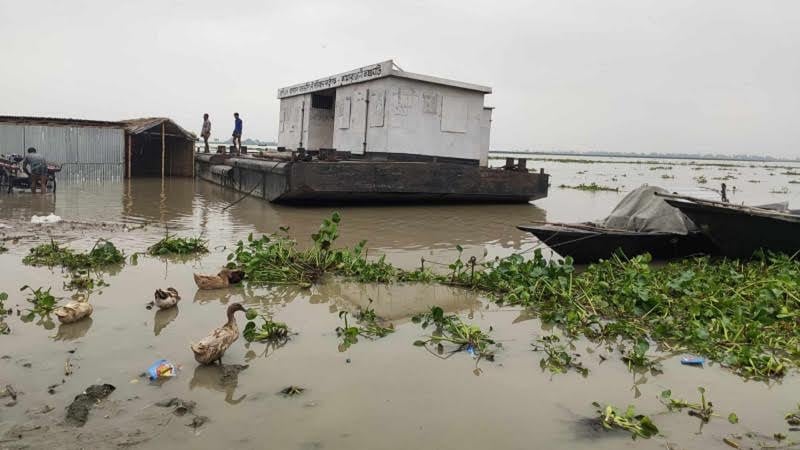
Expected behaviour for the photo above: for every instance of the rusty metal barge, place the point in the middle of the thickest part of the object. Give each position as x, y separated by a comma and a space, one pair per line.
379, 134
354, 181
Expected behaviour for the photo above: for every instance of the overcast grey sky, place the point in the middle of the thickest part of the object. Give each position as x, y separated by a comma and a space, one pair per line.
719, 76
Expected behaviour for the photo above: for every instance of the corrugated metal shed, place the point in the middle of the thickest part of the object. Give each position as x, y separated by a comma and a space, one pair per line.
87, 150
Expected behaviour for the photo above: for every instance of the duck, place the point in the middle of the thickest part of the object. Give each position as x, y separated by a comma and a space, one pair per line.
166, 299
74, 311
211, 348
223, 279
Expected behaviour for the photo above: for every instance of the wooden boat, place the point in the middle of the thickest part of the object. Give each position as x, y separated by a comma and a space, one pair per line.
738, 230
640, 223
587, 242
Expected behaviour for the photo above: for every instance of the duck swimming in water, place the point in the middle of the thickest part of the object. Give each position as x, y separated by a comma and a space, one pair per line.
166, 299
223, 279
211, 348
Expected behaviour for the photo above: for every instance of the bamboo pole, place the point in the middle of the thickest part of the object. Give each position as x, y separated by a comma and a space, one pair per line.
130, 161
163, 150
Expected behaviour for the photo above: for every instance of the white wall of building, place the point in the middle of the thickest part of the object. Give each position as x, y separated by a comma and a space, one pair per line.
292, 116
405, 116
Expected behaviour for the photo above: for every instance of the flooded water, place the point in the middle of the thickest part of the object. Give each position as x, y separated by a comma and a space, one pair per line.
383, 394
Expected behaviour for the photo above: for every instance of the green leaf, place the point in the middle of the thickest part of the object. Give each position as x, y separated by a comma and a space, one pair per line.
419, 343
733, 418
251, 314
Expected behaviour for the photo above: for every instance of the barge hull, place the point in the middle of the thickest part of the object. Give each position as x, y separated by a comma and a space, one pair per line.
295, 182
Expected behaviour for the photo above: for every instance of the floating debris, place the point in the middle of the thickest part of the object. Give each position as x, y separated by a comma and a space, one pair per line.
291, 391
180, 407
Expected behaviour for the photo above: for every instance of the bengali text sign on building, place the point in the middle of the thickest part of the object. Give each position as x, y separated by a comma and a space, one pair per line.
359, 75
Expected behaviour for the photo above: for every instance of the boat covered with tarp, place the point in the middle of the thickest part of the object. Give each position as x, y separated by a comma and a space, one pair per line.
641, 223
739, 230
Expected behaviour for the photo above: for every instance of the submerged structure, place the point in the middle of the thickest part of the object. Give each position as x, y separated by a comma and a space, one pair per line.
379, 133
94, 150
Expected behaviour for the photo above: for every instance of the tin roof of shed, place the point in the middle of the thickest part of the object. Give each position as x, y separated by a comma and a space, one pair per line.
132, 126
373, 72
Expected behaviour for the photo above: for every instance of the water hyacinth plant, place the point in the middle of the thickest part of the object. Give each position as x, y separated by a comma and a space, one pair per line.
267, 330
276, 259
369, 328
102, 254
638, 425
174, 245
559, 357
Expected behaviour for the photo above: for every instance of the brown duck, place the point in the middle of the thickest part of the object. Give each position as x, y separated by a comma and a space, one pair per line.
223, 279
211, 348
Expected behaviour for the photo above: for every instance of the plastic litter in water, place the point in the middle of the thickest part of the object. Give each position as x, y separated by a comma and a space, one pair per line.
471, 351
161, 369
51, 218
692, 361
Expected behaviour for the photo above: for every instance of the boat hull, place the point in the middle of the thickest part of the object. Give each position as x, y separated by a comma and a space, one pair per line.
739, 233
590, 245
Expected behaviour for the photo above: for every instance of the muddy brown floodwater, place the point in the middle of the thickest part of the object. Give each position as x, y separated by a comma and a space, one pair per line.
383, 394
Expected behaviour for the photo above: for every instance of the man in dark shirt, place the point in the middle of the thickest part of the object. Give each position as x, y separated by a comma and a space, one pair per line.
36, 167
237, 132
206, 132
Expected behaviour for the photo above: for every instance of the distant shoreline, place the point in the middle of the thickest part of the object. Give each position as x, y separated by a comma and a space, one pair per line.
740, 158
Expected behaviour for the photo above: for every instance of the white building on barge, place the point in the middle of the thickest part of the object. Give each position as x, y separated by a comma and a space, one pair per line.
381, 112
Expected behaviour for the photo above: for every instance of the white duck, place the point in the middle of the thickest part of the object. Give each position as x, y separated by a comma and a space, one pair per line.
166, 299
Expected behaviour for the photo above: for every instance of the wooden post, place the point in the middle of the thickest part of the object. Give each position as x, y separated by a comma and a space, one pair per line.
163, 150
130, 161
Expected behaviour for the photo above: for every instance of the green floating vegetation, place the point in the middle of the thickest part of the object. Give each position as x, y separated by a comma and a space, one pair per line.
275, 259
638, 425
783, 190
794, 181
102, 254
592, 187
636, 357
661, 168
702, 410
741, 314
370, 328
725, 178
792, 173
701, 179
266, 331
174, 245
451, 329
559, 358
793, 418
82, 280
44, 303
668, 176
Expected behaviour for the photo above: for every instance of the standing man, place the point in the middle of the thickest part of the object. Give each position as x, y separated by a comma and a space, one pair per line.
36, 168
237, 132
206, 133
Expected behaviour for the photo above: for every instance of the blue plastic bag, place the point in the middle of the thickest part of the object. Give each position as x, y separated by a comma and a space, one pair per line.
692, 361
161, 369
